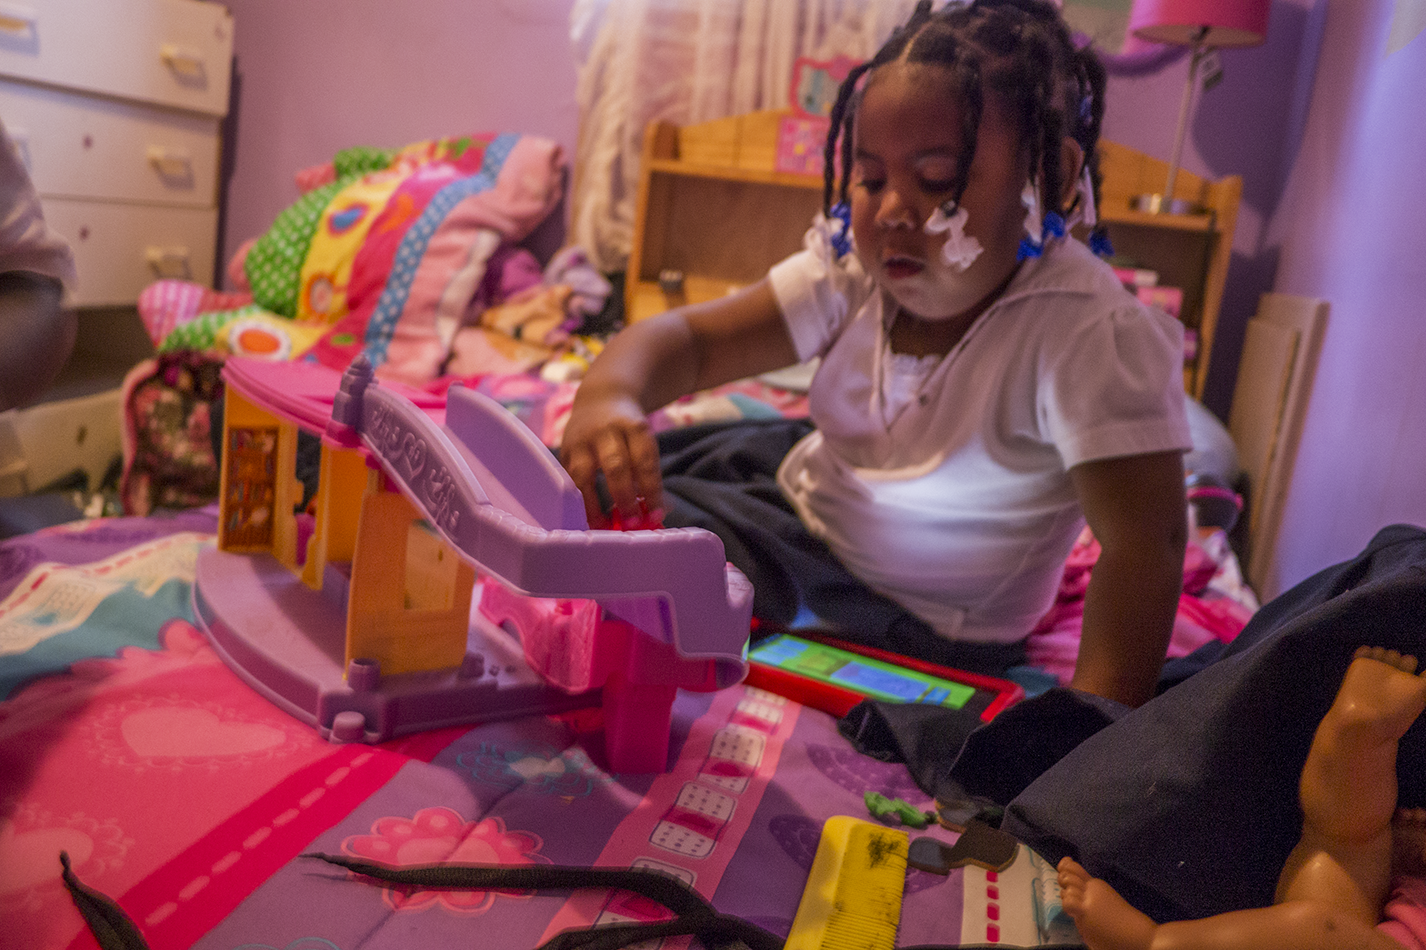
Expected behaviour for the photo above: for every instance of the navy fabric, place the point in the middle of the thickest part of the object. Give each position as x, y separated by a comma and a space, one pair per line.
953, 756
1188, 805
723, 477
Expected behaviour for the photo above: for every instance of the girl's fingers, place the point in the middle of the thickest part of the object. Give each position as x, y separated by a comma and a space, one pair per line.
615, 461
579, 461
644, 460
628, 457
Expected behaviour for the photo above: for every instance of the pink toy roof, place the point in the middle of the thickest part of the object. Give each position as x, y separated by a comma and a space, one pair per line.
303, 393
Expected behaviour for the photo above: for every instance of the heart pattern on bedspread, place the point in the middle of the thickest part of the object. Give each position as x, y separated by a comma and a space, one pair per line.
169, 732
31, 857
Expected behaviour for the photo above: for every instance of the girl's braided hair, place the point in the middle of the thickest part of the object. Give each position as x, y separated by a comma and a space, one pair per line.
1020, 50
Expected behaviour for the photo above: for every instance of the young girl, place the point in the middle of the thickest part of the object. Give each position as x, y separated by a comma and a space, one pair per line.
985, 384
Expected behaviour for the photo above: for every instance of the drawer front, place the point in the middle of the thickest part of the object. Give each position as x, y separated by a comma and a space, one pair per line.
171, 52
85, 147
61, 436
119, 249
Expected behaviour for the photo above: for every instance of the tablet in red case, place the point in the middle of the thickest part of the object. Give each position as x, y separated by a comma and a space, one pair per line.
833, 675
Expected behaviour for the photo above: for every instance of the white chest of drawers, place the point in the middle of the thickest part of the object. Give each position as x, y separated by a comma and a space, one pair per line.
116, 105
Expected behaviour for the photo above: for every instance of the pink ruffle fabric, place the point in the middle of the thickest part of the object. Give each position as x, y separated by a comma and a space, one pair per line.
1404, 918
1215, 603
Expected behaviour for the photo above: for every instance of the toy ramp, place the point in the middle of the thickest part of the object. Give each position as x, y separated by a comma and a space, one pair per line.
500, 498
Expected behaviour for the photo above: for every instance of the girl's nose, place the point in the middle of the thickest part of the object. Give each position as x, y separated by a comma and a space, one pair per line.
894, 212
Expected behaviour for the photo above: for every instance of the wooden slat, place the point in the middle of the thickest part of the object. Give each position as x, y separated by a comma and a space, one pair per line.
1270, 404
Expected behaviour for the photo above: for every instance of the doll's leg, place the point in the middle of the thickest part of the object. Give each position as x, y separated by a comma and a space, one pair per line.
1107, 922
1348, 787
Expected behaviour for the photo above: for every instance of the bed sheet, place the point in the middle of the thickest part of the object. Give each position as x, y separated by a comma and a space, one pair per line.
188, 798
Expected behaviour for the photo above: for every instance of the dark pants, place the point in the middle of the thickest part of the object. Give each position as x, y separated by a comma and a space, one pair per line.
722, 477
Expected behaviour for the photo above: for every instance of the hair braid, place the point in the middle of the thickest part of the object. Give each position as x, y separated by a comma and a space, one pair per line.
844, 109
840, 116
1095, 80
972, 106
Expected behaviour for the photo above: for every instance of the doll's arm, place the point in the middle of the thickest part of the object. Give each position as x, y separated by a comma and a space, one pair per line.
1135, 507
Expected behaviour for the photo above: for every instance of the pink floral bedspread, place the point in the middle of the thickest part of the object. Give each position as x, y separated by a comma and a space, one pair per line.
1215, 603
190, 799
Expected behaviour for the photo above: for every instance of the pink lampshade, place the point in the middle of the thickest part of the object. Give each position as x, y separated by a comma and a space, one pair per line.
1229, 22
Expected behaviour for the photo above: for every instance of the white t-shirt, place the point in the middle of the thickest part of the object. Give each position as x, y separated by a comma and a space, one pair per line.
26, 243
961, 507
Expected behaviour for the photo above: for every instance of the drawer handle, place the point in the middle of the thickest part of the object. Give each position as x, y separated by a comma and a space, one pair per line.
185, 62
17, 20
173, 166
169, 262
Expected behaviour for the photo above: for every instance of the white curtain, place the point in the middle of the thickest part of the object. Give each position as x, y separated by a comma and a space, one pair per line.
687, 61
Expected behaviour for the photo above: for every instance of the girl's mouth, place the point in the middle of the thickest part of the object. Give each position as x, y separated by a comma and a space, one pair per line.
899, 268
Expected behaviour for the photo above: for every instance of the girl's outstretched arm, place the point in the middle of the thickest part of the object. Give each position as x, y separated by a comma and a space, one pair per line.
1135, 507
648, 365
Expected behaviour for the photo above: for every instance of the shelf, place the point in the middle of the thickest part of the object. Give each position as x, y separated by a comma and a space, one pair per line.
712, 206
1200, 223
724, 173
649, 299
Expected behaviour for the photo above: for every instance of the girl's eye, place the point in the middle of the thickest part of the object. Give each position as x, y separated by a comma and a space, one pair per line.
871, 185
937, 185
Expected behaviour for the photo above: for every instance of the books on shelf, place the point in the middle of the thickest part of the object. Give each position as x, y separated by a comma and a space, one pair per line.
1143, 283
1133, 277
1167, 299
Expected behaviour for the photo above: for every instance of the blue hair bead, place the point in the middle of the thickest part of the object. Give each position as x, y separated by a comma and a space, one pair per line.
1099, 243
1027, 250
1053, 226
842, 240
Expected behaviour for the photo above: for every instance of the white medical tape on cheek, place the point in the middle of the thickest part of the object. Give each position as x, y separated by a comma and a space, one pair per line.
960, 249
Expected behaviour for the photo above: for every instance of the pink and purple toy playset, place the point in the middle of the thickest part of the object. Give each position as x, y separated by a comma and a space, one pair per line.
444, 571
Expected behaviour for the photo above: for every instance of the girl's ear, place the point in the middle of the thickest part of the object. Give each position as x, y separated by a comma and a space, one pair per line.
1071, 167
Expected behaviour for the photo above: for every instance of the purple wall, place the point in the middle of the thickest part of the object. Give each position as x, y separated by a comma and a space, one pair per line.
1352, 227
315, 76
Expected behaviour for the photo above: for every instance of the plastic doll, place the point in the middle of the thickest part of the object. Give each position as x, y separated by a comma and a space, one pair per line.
985, 385
1336, 881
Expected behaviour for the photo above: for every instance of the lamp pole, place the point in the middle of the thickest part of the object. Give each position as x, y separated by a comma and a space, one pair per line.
1167, 203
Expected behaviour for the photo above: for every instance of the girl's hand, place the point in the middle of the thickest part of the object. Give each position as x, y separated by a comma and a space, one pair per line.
649, 364
611, 434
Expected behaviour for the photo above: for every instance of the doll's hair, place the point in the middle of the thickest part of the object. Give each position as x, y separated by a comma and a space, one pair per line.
1020, 50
